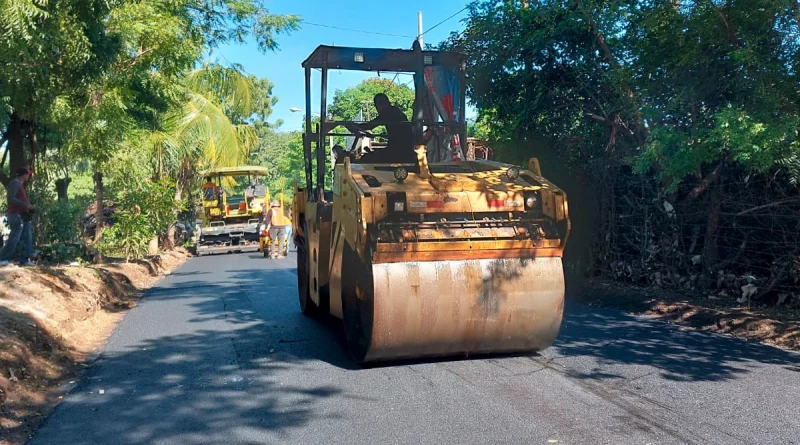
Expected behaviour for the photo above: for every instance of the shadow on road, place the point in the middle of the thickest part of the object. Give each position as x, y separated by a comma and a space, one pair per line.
217, 381
618, 339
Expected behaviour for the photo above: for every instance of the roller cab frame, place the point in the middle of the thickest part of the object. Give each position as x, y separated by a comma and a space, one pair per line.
428, 258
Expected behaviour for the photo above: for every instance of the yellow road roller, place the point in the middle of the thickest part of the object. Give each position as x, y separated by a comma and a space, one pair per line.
420, 252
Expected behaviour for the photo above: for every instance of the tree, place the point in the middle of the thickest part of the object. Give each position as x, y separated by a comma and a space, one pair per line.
48, 49
682, 91
282, 153
347, 103
614, 81
100, 76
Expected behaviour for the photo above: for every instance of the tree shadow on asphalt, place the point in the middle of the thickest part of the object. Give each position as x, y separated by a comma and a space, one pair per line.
227, 379
615, 338
611, 336
221, 383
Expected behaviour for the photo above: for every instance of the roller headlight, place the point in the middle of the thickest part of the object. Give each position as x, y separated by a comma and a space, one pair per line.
400, 173
512, 173
396, 202
531, 201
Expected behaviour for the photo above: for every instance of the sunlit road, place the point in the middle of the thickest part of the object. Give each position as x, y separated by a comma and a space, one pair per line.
220, 354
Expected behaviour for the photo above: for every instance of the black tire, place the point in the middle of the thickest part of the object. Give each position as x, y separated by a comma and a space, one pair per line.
307, 306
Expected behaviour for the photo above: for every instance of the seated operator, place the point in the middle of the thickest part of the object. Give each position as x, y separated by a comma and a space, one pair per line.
210, 190
399, 132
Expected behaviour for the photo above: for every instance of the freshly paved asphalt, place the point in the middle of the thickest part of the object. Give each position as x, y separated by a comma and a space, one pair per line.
220, 354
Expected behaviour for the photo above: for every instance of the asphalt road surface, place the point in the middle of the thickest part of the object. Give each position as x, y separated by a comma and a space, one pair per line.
220, 354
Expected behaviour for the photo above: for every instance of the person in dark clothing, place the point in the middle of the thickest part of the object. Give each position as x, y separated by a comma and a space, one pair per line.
19, 215
398, 131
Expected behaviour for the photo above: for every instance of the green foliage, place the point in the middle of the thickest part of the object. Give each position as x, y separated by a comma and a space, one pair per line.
155, 201
60, 221
347, 103
63, 253
735, 136
128, 237
282, 153
480, 128
58, 227
673, 89
146, 210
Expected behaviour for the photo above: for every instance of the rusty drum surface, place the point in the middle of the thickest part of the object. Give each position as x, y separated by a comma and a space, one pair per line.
441, 308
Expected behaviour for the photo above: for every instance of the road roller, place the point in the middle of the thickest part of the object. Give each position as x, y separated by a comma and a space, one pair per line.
420, 252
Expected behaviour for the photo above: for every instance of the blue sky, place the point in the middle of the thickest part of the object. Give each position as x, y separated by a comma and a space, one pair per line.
379, 16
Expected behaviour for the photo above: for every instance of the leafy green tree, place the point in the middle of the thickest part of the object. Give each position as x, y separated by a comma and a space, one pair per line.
683, 91
48, 49
282, 153
615, 81
347, 103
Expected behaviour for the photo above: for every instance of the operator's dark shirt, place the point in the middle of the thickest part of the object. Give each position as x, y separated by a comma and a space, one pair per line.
401, 135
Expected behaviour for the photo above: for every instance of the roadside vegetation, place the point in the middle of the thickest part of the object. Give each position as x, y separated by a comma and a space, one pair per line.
117, 104
673, 127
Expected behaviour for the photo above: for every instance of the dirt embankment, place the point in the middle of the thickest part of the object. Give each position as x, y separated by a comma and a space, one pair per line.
51, 320
775, 325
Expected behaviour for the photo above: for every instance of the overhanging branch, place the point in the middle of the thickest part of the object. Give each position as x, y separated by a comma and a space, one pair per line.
706, 182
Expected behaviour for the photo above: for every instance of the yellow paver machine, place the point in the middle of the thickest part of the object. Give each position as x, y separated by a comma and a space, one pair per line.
233, 199
419, 253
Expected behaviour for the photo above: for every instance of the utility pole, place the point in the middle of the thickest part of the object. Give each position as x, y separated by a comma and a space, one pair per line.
419, 29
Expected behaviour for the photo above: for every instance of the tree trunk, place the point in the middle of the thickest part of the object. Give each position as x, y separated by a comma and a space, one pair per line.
185, 172
33, 142
16, 146
169, 243
98, 232
710, 246
62, 185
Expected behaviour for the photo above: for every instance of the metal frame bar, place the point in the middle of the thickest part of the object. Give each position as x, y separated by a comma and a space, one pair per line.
462, 111
323, 118
307, 136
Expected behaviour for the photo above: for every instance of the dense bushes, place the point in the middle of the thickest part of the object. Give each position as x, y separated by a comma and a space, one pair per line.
146, 211
678, 125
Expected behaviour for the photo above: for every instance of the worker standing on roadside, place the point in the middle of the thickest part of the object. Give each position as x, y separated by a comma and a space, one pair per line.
276, 225
20, 212
288, 233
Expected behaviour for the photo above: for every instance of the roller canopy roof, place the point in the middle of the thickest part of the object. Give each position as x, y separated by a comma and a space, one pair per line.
377, 59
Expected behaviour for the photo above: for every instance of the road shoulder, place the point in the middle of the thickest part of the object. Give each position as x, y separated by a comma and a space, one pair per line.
772, 325
52, 321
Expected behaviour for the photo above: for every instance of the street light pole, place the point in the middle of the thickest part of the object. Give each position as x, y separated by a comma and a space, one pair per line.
330, 116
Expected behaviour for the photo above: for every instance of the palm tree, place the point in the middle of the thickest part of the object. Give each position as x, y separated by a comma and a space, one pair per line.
207, 129
200, 133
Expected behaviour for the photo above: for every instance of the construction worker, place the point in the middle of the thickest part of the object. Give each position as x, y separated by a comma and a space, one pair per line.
277, 223
210, 190
288, 234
